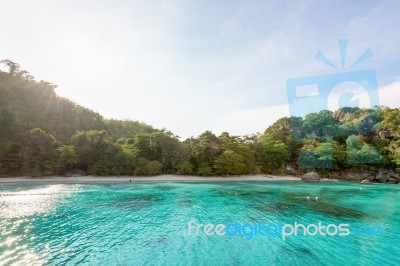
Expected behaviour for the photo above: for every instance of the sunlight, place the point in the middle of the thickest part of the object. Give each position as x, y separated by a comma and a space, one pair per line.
29, 202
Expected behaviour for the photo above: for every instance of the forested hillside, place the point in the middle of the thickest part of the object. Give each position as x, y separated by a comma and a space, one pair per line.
44, 134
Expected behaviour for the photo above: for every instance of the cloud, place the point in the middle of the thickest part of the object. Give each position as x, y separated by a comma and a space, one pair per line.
189, 66
389, 95
250, 121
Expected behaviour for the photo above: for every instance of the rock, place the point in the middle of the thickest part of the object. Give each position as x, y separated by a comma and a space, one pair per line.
370, 177
290, 170
340, 114
381, 175
387, 176
385, 134
310, 177
394, 175
381, 180
75, 173
352, 176
365, 181
329, 180
333, 175
365, 175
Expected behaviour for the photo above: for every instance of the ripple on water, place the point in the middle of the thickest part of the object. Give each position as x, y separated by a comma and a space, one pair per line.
137, 202
274, 207
186, 202
308, 255
245, 193
165, 187
147, 224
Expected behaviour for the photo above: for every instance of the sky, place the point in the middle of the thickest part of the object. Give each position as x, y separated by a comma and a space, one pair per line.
191, 66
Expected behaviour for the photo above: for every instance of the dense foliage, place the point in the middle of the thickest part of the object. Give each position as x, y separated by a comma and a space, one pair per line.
44, 134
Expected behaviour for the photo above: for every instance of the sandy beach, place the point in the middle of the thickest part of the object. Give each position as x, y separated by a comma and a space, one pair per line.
128, 179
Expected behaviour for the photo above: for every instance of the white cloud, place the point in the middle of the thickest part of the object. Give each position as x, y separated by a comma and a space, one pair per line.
243, 122
184, 65
389, 95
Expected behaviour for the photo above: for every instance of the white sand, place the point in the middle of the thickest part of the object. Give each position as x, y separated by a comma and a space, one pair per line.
126, 179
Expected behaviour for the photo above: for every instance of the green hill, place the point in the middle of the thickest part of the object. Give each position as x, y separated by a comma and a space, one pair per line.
44, 134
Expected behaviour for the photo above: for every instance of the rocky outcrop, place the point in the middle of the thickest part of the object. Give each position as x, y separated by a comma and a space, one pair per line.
387, 176
290, 170
385, 134
340, 114
310, 177
380, 176
351, 175
365, 181
75, 173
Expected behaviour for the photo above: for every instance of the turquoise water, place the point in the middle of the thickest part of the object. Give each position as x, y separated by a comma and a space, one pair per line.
147, 224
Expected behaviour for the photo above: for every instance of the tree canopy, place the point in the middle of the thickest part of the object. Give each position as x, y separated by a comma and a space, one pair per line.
44, 134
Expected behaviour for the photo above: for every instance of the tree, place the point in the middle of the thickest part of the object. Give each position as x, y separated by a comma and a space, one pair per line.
248, 158
96, 152
391, 120
320, 125
229, 162
9, 143
288, 131
13, 68
319, 156
206, 148
276, 154
146, 167
205, 169
394, 149
39, 153
185, 168
359, 152
67, 157
154, 168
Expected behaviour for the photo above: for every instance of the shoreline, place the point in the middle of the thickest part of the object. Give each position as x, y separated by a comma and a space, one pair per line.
145, 179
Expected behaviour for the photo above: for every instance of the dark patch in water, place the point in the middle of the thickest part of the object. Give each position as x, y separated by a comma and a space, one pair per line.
256, 219
275, 207
187, 202
162, 241
285, 250
305, 251
62, 216
164, 187
292, 251
335, 210
293, 196
243, 193
341, 192
283, 206
137, 202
